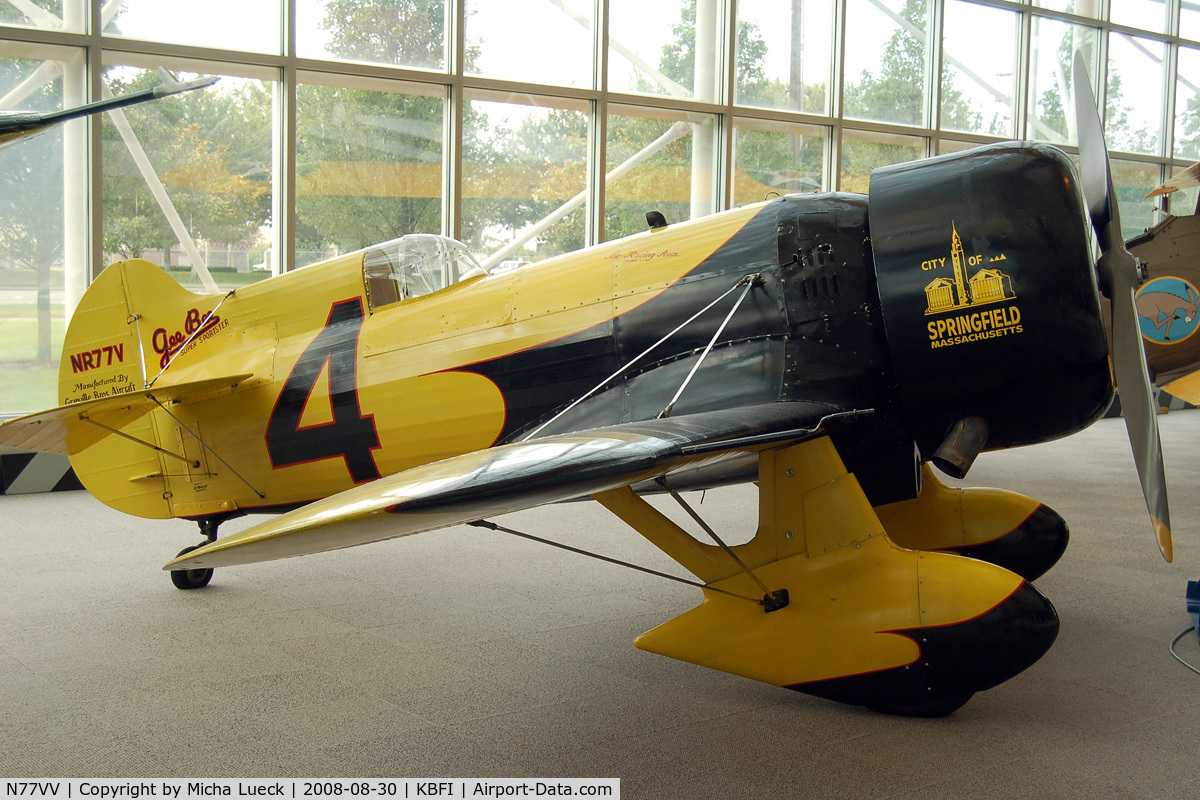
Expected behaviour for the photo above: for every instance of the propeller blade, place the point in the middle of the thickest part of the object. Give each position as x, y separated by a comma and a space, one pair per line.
1137, 403
1093, 156
1120, 276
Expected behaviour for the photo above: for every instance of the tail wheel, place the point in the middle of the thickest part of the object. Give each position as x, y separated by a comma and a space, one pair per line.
190, 578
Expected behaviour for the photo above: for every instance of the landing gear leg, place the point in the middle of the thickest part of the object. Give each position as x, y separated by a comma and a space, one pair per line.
196, 578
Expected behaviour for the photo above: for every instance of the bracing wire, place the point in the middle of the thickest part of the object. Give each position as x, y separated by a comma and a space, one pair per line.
666, 412
204, 444
713, 535
199, 330
634, 360
483, 523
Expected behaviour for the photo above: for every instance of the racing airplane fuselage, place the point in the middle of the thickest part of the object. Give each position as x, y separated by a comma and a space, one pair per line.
347, 389
823, 345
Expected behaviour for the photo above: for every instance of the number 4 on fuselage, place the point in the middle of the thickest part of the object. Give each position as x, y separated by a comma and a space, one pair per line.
350, 434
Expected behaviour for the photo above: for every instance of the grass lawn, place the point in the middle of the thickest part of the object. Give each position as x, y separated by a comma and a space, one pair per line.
19, 339
27, 310
25, 386
26, 390
28, 278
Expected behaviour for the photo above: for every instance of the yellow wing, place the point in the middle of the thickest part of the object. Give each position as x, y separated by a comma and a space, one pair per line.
511, 478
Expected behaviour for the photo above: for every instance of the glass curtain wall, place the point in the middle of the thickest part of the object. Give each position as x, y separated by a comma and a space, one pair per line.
525, 129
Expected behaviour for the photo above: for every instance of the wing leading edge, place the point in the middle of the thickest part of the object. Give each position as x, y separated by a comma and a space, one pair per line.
514, 477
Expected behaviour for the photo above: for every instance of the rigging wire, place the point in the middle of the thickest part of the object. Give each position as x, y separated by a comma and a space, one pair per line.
199, 330
713, 534
635, 359
204, 444
483, 523
749, 281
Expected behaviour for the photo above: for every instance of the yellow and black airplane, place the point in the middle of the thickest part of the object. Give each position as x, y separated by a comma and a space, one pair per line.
828, 346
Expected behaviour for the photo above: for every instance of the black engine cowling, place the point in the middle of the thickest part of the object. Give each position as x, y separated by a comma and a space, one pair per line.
989, 296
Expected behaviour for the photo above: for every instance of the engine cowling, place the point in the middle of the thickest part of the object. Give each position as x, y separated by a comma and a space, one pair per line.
989, 296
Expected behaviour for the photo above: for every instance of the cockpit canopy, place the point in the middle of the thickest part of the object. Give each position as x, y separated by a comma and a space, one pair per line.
414, 265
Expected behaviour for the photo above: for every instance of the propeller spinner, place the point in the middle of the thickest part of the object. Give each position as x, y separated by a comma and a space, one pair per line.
1120, 274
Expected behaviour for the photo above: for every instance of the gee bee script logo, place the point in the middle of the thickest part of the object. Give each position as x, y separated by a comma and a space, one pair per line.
196, 328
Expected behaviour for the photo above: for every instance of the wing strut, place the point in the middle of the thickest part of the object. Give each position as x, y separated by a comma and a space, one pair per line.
771, 601
483, 523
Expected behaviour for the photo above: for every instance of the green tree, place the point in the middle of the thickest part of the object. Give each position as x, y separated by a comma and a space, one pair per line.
678, 61
221, 190
1189, 123
554, 150
662, 181
1121, 131
369, 161
409, 33
897, 94
368, 166
31, 233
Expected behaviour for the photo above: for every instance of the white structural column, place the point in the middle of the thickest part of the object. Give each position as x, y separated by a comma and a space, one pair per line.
708, 34
75, 187
160, 195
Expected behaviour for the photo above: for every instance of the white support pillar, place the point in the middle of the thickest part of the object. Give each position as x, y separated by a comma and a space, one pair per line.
708, 35
75, 187
160, 195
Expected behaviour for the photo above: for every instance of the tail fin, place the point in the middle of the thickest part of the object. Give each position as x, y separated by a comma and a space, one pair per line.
131, 321
1186, 388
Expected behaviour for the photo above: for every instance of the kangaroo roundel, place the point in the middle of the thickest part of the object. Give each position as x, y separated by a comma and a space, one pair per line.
1166, 310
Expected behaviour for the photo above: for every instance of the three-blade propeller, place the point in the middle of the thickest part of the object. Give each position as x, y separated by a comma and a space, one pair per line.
1120, 275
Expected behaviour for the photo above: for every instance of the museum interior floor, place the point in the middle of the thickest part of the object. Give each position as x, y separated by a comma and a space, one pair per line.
469, 653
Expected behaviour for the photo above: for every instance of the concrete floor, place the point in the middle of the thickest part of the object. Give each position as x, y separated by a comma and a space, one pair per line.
469, 653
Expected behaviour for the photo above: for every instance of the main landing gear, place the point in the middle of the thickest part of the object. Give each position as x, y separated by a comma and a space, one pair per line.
197, 578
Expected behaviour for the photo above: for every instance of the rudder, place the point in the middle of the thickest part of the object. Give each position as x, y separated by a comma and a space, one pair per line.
112, 343
128, 321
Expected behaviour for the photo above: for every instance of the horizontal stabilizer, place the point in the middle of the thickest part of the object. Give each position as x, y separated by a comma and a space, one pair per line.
509, 478
74, 428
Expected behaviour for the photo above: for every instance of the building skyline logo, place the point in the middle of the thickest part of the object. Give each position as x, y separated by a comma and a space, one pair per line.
988, 284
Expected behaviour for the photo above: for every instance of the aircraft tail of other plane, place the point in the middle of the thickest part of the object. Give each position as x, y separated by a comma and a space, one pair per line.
1186, 388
